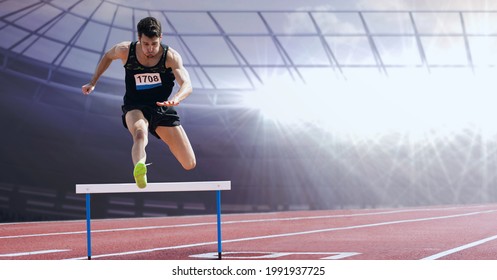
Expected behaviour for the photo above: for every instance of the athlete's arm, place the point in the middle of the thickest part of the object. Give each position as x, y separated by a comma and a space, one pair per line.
118, 51
182, 77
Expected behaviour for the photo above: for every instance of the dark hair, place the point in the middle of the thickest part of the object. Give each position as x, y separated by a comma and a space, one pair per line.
149, 27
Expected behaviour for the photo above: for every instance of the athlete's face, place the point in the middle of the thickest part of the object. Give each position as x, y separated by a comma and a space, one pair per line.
150, 46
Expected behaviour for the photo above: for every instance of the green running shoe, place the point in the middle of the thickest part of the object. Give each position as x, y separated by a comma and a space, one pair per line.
140, 174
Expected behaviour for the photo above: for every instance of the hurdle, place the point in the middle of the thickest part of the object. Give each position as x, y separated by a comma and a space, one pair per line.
217, 186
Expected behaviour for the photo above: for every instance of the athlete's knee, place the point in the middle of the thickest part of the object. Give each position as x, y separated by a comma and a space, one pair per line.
190, 164
140, 134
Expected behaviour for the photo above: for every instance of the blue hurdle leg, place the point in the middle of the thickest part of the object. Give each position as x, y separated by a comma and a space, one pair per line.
219, 245
88, 226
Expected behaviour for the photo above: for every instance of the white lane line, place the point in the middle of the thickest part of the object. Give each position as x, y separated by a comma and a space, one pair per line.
20, 254
460, 248
214, 223
274, 255
289, 234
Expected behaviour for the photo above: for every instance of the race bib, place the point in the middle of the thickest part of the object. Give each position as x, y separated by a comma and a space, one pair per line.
147, 81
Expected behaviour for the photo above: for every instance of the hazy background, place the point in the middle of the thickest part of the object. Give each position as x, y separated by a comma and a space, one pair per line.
301, 104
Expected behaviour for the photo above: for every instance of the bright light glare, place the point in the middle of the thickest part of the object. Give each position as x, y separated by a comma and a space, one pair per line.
283, 101
414, 105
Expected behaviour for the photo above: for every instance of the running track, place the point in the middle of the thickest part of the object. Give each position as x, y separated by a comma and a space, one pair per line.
467, 232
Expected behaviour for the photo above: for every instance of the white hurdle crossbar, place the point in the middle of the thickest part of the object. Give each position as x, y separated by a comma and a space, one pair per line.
217, 186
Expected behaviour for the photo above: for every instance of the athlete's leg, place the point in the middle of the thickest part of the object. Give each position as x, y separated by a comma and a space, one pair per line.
177, 140
138, 127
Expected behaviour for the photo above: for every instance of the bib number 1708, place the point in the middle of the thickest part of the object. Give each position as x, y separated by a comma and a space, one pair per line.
147, 80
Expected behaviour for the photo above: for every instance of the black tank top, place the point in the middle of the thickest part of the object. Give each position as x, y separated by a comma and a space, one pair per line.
147, 85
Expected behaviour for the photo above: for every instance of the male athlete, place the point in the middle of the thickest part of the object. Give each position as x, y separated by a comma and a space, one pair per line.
151, 69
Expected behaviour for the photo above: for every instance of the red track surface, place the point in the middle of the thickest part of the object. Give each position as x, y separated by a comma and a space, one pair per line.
445, 232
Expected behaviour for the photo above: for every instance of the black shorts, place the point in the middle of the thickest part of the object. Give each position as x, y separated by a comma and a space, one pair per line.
155, 115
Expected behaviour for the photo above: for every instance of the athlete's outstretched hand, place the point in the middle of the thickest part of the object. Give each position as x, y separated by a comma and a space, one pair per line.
173, 102
87, 89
